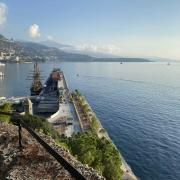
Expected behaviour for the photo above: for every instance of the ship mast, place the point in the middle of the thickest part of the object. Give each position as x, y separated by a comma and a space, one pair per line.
36, 86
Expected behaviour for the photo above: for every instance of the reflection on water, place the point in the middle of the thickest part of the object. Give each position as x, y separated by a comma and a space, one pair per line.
138, 103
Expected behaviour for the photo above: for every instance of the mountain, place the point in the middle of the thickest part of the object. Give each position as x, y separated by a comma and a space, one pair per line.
51, 43
2, 37
77, 50
30, 51
98, 56
122, 59
23, 51
160, 59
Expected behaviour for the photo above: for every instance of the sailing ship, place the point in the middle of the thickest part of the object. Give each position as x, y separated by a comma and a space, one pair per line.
36, 86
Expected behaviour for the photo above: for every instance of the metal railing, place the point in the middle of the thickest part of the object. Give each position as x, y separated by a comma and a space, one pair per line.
16, 119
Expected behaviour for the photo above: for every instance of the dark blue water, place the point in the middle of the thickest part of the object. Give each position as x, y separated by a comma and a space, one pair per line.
138, 104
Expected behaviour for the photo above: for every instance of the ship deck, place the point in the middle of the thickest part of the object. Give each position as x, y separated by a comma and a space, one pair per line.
54, 104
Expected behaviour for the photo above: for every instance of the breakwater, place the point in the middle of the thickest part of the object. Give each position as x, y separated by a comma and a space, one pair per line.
101, 132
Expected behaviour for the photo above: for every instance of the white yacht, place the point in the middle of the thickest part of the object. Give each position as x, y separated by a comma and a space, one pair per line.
1, 74
2, 64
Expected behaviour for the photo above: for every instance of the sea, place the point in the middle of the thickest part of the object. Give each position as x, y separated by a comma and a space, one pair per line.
137, 103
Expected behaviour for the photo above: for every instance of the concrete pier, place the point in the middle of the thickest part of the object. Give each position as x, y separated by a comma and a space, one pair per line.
55, 101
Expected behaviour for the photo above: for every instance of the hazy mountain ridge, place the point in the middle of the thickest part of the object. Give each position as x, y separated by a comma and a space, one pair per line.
29, 51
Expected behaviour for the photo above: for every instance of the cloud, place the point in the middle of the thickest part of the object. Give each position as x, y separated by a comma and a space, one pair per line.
34, 31
49, 37
3, 13
107, 48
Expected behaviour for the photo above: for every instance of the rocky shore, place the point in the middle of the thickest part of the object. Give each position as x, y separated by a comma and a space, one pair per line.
33, 162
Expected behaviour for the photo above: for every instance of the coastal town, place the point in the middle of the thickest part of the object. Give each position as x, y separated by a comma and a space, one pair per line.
14, 51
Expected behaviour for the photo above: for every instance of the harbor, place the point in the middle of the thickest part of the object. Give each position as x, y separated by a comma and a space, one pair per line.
53, 102
68, 111
72, 114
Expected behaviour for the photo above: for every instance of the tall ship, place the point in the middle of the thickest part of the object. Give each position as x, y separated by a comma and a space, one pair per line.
36, 86
49, 96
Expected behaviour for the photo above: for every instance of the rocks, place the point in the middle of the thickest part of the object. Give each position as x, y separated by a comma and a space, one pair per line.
33, 162
87, 171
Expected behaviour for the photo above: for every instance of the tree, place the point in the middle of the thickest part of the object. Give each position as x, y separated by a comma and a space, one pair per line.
85, 108
100, 154
94, 124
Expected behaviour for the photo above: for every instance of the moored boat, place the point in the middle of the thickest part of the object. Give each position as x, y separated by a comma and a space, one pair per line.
2, 64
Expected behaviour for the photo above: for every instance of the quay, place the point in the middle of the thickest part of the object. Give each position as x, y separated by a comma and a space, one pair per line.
55, 104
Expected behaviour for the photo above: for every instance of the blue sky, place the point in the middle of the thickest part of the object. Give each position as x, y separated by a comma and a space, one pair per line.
123, 27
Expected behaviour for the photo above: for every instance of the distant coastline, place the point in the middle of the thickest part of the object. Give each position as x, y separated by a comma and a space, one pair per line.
120, 60
20, 51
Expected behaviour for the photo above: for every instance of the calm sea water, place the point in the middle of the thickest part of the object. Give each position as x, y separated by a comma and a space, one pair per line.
138, 104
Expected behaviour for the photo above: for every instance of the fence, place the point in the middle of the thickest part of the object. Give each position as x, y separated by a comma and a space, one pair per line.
16, 118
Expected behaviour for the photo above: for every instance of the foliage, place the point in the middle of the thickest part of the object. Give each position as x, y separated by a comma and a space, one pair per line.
102, 131
7, 107
34, 122
85, 108
71, 99
77, 93
100, 154
41, 124
94, 123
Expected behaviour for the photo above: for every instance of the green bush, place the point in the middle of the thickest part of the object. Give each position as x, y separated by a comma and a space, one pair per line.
39, 123
7, 107
85, 108
94, 124
97, 153
77, 93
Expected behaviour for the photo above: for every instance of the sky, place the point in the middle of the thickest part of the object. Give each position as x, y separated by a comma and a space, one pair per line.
135, 28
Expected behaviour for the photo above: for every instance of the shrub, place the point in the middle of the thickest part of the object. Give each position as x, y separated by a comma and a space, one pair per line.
7, 107
39, 123
97, 153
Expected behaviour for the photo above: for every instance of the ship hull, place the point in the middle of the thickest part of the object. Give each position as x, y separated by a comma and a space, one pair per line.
35, 93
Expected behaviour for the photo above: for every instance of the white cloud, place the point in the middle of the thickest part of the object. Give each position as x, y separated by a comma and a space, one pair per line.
109, 48
138, 46
34, 31
3, 13
49, 37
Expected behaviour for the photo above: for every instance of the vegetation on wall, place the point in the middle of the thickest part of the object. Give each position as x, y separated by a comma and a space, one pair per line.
97, 153
94, 122
41, 124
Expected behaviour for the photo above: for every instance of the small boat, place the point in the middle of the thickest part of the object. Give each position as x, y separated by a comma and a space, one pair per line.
1, 74
2, 64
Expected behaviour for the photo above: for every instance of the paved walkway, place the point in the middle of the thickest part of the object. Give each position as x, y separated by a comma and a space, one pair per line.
84, 120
